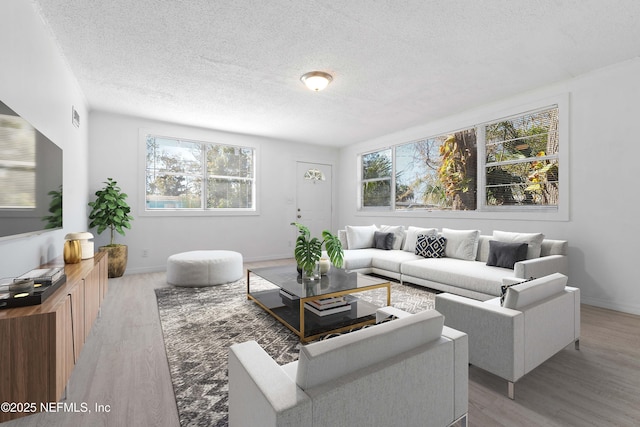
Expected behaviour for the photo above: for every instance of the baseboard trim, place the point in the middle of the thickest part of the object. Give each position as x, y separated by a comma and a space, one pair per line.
611, 305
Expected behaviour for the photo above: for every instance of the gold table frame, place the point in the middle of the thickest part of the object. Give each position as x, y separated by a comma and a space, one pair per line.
303, 300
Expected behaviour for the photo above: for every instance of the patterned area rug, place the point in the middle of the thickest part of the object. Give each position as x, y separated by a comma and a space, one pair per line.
199, 325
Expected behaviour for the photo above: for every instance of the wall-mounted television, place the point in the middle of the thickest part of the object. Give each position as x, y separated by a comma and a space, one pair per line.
30, 178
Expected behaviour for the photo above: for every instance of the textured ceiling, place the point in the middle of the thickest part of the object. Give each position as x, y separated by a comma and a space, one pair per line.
235, 65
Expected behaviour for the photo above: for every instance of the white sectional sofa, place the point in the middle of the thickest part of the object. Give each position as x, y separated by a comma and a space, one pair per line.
461, 270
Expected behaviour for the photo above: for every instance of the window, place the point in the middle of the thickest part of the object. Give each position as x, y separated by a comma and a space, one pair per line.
376, 179
437, 173
195, 175
499, 165
521, 162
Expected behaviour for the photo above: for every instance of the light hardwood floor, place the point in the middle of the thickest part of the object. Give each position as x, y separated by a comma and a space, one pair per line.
123, 365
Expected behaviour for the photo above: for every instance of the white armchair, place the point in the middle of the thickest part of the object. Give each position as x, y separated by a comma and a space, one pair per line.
538, 319
411, 372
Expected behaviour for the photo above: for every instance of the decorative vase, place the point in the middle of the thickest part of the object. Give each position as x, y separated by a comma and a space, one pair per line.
325, 266
312, 275
117, 262
72, 252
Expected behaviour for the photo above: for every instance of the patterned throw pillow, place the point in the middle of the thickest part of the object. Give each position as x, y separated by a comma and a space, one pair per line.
504, 288
430, 246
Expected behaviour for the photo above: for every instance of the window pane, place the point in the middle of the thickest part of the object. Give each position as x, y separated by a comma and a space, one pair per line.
223, 160
376, 179
523, 137
528, 183
376, 165
173, 192
522, 160
417, 182
172, 155
230, 193
376, 193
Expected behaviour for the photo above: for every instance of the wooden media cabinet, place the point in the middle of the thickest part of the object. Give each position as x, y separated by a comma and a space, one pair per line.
40, 344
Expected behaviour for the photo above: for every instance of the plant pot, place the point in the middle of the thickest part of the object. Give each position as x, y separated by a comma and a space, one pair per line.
118, 255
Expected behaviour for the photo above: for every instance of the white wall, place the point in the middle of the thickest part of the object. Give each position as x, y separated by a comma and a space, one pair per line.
115, 152
36, 83
603, 228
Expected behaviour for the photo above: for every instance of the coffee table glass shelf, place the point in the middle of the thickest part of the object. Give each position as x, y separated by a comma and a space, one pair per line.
313, 308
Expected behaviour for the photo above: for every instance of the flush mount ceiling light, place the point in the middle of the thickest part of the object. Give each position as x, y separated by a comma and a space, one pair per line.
316, 80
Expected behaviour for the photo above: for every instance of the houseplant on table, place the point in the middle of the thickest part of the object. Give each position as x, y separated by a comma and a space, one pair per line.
308, 250
110, 210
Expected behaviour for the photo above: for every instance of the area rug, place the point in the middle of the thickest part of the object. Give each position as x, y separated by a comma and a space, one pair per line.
199, 325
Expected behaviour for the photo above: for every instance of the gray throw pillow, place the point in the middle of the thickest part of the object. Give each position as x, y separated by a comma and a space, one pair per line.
383, 240
506, 254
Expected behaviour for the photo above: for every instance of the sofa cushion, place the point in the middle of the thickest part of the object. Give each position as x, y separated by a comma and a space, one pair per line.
342, 236
412, 237
391, 260
328, 360
461, 244
536, 290
533, 240
398, 231
360, 236
358, 258
472, 275
430, 246
383, 241
506, 254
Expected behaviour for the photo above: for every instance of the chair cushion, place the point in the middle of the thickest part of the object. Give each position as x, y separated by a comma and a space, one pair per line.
328, 360
536, 290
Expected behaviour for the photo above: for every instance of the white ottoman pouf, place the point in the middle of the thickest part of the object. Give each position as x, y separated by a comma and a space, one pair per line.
204, 268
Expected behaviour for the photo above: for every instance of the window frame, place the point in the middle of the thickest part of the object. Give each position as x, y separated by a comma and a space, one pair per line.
195, 212
491, 115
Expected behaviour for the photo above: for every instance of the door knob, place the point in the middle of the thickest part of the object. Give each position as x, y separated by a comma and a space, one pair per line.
299, 216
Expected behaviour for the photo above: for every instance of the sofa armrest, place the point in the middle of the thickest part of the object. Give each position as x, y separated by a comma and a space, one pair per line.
261, 393
540, 267
460, 369
496, 334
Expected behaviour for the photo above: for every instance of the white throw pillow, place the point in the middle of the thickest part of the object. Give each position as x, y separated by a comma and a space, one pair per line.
412, 237
461, 244
360, 236
342, 236
534, 240
398, 232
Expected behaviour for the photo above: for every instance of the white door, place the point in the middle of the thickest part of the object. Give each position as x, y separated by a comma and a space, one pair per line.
314, 182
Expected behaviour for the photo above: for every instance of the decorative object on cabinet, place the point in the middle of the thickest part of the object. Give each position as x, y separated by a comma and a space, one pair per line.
72, 252
308, 250
110, 210
86, 246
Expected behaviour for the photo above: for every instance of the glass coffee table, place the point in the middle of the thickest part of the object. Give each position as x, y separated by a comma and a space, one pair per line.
313, 308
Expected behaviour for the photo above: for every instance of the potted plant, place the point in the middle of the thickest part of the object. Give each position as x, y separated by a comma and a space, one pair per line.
308, 250
110, 210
